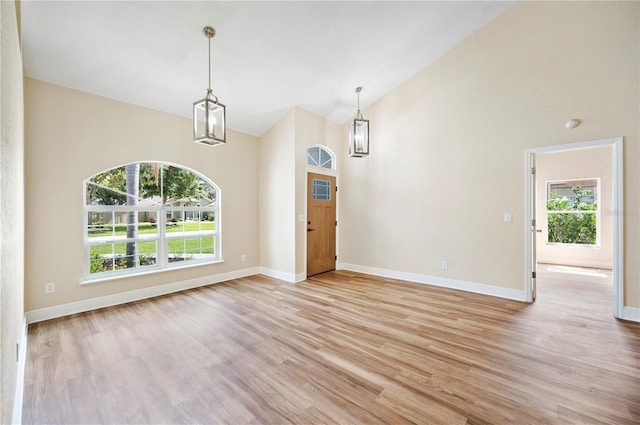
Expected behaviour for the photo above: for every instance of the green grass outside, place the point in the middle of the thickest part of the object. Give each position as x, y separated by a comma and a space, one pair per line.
176, 246
148, 228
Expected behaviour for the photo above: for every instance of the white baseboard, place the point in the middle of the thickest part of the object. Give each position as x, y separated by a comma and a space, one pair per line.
630, 313
277, 274
479, 288
569, 262
135, 295
16, 416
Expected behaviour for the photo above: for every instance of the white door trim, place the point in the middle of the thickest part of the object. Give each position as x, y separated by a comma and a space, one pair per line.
617, 212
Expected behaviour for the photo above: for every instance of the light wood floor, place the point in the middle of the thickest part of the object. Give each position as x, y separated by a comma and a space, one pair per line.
340, 348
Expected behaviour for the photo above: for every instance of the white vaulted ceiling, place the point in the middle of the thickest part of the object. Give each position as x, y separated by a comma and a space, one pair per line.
266, 56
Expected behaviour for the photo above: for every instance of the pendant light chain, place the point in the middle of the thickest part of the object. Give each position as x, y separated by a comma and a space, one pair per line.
210, 33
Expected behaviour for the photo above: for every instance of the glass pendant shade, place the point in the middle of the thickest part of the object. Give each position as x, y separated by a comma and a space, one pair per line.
209, 121
359, 138
359, 133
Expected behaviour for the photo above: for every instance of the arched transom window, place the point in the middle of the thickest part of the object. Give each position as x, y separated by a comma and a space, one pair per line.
320, 156
149, 215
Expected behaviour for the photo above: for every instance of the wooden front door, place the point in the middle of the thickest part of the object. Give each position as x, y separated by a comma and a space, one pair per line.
321, 223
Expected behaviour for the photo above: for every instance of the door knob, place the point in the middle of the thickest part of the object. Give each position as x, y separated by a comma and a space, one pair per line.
310, 230
539, 230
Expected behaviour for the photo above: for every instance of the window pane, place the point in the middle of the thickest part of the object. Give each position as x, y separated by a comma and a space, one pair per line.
150, 186
321, 190
101, 258
147, 224
186, 249
99, 224
313, 156
208, 245
207, 226
178, 251
175, 222
325, 159
125, 257
147, 253
572, 228
192, 216
183, 188
107, 188
572, 194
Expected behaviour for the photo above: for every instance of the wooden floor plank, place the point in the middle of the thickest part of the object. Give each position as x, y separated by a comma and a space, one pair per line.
341, 348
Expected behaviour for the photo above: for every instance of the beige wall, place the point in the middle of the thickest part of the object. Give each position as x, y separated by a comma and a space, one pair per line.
11, 209
579, 164
71, 135
277, 198
447, 149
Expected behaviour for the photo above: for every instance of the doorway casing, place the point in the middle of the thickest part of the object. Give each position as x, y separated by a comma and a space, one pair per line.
617, 209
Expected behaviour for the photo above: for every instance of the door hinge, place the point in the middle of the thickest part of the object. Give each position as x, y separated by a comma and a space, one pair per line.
533, 170
533, 275
533, 222
336, 222
336, 188
336, 258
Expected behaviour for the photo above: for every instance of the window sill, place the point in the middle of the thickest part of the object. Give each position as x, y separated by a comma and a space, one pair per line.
147, 273
574, 245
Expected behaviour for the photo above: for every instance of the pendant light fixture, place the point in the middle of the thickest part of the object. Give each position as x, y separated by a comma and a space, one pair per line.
359, 133
209, 120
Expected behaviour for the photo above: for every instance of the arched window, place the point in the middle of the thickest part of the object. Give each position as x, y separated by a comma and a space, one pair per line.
319, 156
145, 216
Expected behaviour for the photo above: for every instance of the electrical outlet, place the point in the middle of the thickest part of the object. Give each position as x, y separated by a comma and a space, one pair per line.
444, 265
243, 257
49, 288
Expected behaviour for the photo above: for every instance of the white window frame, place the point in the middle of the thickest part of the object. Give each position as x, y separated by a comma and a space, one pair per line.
316, 163
161, 237
596, 244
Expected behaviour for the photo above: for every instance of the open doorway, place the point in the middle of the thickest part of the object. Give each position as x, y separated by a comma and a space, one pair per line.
574, 228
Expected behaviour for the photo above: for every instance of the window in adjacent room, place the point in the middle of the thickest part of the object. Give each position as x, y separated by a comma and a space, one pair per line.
572, 212
148, 216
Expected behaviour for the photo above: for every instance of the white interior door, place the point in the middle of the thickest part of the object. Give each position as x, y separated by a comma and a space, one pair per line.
534, 226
